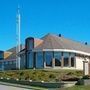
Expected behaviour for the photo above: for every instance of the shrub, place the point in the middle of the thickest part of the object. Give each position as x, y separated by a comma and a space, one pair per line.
86, 77
52, 76
70, 73
57, 80
27, 78
69, 78
21, 73
80, 82
79, 73
42, 74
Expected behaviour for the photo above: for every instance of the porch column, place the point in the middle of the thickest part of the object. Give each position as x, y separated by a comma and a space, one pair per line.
89, 65
62, 61
75, 61
53, 62
85, 68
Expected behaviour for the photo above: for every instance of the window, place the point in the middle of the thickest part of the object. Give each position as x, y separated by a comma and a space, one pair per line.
66, 59
72, 61
1, 63
22, 63
30, 60
39, 60
1, 55
57, 56
14, 62
72, 54
48, 58
10, 62
5, 63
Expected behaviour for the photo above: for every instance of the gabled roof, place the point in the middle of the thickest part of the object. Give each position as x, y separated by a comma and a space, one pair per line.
12, 52
51, 41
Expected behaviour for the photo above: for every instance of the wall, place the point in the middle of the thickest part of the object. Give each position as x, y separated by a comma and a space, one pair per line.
10, 67
22, 61
79, 62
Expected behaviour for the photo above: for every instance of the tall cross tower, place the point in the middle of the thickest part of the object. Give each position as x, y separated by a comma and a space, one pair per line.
18, 17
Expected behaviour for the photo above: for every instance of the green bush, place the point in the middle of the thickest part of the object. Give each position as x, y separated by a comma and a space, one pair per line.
42, 75
21, 73
27, 78
86, 77
70, 73
80, 82
78, 73
52, 76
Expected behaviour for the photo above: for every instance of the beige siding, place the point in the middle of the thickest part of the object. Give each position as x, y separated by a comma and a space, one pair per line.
79, 62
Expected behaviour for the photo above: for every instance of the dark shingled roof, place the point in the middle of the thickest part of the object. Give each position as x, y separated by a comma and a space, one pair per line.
51, 41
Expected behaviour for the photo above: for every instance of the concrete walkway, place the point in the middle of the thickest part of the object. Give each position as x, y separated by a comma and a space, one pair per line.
9, 86
4, 87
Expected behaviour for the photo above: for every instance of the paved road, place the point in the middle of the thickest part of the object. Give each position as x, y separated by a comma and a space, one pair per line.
3, 87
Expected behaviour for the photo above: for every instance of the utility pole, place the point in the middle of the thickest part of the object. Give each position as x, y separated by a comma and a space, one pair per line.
18, 41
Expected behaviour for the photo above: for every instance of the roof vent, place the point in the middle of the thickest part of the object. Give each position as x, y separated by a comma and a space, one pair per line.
60, 35
86, 43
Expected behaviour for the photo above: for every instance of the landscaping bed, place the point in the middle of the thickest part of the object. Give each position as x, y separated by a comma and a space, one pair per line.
43, 75
42, 78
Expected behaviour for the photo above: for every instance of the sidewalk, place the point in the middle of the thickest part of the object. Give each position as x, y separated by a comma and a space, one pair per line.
9, 86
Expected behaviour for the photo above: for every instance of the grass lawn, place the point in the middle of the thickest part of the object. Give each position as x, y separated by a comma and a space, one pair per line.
77, 88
